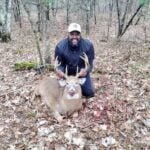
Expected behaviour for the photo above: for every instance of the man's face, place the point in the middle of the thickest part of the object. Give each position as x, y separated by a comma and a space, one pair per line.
74, 37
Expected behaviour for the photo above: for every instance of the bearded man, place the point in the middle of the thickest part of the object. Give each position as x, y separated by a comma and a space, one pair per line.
69, 52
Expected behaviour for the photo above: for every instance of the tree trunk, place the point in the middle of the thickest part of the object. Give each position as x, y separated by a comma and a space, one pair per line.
41, 15
54, 12
68, 6
94, 9
6, 21
110, 18
86, 6
122, 23
0, 28
118, 15
87, 23
131, 19
34, 32
47, 55
16, 10
47, 13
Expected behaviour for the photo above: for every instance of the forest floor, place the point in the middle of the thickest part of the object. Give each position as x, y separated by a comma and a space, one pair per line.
118, 117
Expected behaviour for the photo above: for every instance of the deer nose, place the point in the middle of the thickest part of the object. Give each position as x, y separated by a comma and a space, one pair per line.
72, 93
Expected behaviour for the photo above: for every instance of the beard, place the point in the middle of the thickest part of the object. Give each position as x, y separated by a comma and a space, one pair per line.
74, 42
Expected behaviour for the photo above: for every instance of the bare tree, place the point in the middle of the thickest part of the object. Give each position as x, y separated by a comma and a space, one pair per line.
86, 6
0, 28
47, 55
110, 5
67, 10
34, 32
6, 20
42, 10
42, 26
123, 23
86, 12
16, 11
94, 11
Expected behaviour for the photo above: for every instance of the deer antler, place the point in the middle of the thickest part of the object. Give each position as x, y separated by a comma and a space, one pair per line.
77, 74
86, 60
60, 73
66, 72
57, 64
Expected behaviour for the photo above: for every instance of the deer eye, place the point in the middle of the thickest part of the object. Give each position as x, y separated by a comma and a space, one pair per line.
68, 85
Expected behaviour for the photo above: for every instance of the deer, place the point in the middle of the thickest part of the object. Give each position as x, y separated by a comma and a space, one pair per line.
62, 96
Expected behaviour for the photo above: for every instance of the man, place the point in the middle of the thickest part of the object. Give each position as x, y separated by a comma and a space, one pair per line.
68, 52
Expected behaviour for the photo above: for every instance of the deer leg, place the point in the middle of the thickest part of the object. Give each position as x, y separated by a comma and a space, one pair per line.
58, 116
33, 97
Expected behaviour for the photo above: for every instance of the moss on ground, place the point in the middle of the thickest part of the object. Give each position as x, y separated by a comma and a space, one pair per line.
31, 65
24, 66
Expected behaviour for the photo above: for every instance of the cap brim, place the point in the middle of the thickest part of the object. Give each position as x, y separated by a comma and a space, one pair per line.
74, 31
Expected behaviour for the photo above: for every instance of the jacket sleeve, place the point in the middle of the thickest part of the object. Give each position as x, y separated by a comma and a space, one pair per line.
61, 59
91, 57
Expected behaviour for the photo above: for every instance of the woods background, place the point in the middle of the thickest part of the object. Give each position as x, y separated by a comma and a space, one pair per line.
48, 19
118, 117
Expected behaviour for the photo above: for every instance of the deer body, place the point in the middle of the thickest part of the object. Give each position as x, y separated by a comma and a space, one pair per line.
62, 96
61, 99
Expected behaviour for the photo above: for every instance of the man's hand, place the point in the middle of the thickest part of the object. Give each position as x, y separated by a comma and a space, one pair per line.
59, 73
82, 73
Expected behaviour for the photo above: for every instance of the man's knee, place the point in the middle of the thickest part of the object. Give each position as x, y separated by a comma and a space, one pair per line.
88, 93
88, 88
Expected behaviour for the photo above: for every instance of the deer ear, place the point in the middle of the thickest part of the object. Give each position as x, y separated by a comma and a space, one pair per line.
62, 82
82, 80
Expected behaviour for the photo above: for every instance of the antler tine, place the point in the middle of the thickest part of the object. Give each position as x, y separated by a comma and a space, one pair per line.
77, 72
86, 60
66, 72
57, 64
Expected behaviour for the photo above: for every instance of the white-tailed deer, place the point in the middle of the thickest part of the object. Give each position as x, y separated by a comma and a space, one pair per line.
62, 96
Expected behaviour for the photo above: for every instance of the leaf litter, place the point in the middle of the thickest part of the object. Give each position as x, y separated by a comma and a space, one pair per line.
118, 117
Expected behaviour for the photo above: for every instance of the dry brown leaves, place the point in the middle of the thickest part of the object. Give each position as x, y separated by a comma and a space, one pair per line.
118, 117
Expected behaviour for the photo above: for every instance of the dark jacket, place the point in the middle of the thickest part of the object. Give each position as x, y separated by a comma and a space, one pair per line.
70, 56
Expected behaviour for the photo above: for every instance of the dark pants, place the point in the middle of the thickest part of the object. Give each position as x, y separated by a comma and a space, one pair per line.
87, 87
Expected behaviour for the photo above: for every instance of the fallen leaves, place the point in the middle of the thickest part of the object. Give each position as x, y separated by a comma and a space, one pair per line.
108, 141
117, 117
74, 139
146, 122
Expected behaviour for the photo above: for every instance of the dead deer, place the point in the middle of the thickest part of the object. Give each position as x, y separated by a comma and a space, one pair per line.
62, 96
